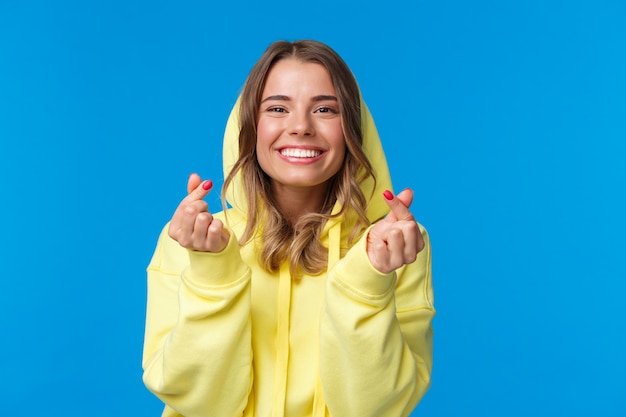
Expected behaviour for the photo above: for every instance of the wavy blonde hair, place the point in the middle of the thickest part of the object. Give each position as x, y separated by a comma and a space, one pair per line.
278, 239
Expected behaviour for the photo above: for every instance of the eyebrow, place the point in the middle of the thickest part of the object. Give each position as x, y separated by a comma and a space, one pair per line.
287, 98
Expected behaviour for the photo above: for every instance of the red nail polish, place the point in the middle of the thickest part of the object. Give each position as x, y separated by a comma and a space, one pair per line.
207, 184
388, 195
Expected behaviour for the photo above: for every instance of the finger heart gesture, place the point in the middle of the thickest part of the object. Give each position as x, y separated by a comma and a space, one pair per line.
192, 225
395, 240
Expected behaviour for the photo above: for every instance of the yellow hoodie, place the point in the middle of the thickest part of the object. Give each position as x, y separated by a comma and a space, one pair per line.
225, 338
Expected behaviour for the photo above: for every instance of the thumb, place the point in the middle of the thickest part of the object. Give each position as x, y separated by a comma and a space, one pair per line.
193, 182
399, 205
201, 190
406, 197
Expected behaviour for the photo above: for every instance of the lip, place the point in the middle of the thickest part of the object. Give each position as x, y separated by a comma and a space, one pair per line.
301, 161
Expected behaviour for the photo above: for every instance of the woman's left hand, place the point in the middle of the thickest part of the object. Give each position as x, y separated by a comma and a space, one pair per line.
396, 240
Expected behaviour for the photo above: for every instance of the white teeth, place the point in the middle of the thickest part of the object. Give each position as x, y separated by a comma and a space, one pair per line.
300, 153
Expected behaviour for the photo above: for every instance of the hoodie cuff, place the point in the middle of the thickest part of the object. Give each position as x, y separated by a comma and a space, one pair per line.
356, 272
216, 268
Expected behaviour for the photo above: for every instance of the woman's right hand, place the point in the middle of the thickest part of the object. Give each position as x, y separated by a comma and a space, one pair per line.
192, 226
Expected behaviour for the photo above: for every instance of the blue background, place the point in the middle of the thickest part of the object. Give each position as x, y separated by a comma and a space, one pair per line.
507, 118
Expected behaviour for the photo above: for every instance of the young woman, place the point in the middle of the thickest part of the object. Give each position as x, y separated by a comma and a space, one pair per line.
310, 295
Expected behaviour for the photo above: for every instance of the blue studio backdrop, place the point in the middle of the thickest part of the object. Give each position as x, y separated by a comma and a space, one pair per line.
508, 119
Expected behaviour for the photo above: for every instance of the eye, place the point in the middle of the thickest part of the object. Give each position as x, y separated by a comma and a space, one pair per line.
326, 109
276, 110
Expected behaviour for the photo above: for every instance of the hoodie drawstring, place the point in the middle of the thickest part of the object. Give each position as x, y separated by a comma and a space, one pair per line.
334, 253
282, 331
282, 339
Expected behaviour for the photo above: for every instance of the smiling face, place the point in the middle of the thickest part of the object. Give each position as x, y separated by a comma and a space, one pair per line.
300, 141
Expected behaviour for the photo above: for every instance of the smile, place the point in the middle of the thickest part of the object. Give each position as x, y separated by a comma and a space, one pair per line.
300, 153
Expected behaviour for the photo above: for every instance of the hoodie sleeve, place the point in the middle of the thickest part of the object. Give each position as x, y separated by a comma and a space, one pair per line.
376, 335
197, 351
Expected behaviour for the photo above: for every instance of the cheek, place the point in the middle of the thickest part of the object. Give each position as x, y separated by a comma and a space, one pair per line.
342, 155
333, 134
339, 143
340, 150
266, 133
262, 156
263, 135
263, 147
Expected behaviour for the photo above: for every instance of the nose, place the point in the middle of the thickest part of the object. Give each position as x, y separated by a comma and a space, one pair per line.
300, 124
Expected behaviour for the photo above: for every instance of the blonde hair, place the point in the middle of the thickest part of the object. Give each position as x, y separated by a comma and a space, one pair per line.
277, 237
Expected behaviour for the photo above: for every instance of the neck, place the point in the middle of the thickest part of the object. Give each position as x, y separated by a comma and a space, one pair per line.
295, 202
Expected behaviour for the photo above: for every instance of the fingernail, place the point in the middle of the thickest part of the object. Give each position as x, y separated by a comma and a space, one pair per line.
388, 195
207, 184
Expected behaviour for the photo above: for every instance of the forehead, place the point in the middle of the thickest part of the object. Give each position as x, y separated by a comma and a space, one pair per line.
296, 76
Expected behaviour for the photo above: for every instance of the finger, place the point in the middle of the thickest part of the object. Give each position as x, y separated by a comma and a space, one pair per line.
200, 230
182, 225
186, 223
216, 227
378, 253
186, 214
217, 236
406, 197
399, 205
410, 236
196, 207
199, 192
193, 182
395, 246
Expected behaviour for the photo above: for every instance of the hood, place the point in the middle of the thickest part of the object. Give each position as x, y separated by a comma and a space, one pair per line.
372, 147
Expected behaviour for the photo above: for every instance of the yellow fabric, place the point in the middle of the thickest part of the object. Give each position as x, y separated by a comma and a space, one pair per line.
225, 338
